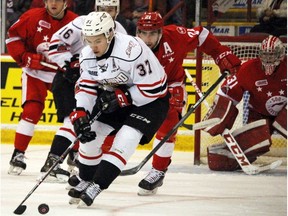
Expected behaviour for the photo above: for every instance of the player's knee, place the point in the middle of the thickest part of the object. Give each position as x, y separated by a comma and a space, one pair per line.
32, 111
160, 135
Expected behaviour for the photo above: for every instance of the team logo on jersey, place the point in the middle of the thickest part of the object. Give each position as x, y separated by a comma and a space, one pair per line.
261, 83
121, 78
93, 73
275, 104
181, 30
129, 48
103, 68
44, 24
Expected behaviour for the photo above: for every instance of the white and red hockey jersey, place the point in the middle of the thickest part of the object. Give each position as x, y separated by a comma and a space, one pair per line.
68, 41
32, 33
268, 93
127, 62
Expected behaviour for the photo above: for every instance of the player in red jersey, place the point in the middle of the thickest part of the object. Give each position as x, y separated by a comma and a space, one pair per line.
265, 78
28, 44
171, 44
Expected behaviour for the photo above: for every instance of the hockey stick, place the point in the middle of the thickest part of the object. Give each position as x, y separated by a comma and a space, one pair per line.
241, 158
21, 208
134, 170
198, 91
54, 67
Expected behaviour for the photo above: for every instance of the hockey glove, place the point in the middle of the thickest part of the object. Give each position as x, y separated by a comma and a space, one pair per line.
177, 99
32, 60
109, 102
226, 60
80, 120
72, 69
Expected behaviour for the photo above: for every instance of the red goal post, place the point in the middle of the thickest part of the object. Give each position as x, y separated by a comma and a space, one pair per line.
245, 47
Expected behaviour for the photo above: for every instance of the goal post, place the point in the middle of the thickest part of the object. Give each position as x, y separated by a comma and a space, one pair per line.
245, 47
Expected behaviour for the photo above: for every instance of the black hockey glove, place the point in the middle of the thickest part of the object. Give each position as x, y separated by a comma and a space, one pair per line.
108, 101
80, 120
72, 69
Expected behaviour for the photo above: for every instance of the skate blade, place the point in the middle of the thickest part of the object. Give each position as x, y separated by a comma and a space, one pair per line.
15, 170
52, 179
81, 205
74, 201
143, 192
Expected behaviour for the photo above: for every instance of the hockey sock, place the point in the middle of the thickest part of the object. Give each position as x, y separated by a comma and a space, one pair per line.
59, 145
106, 174
86, 172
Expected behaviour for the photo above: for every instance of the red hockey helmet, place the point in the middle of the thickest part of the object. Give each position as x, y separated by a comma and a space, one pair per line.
150, 21
272, 51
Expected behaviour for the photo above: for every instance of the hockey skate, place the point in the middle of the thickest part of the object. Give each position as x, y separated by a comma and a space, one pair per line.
57, 175
76, 191
17, 164
149, 185
72, 162
88, 196
73, 181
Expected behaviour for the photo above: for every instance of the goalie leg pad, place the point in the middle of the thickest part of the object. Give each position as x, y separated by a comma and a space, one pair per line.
280, 123
221, 159
254, 140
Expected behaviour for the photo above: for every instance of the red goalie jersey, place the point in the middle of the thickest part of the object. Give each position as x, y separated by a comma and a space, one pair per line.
268, 94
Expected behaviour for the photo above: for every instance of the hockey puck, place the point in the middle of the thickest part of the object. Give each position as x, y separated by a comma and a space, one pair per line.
43, 208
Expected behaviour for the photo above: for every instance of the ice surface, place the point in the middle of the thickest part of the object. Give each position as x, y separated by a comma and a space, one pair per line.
187, 191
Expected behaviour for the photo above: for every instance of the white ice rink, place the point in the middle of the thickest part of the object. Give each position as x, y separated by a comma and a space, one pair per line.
187, 191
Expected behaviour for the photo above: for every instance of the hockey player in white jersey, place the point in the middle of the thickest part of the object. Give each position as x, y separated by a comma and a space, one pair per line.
65, 47
121, 78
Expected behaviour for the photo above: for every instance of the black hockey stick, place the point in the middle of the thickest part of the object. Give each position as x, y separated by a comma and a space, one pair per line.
134, 170
21, 208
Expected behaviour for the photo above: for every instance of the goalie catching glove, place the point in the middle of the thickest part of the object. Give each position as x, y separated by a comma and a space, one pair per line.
71, 70
226, 60
80, 120
223, 109
109, 102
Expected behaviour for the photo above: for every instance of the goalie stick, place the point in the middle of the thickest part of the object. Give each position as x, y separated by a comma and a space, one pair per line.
134, 170
21, 208
241, 158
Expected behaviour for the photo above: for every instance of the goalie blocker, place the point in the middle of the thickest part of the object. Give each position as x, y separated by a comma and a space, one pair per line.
254, 139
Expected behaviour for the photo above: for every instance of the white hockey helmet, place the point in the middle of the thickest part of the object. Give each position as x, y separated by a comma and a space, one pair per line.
105, 3
97, 23
271, 53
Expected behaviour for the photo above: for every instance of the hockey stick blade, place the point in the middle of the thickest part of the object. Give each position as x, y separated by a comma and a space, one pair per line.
134, 170
21, 208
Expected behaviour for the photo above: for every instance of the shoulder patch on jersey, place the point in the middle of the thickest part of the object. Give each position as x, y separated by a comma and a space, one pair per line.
261, 83
181, 30
131, 45
44, 24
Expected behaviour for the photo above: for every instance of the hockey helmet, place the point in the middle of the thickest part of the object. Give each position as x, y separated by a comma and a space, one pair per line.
271, 53
105, 3
97, 23
150, 21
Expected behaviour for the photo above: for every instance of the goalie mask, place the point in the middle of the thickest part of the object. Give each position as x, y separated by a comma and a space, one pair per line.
272, 52
102, 5
150, 22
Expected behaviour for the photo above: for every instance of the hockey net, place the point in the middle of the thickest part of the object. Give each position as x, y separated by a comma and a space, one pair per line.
245, 48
